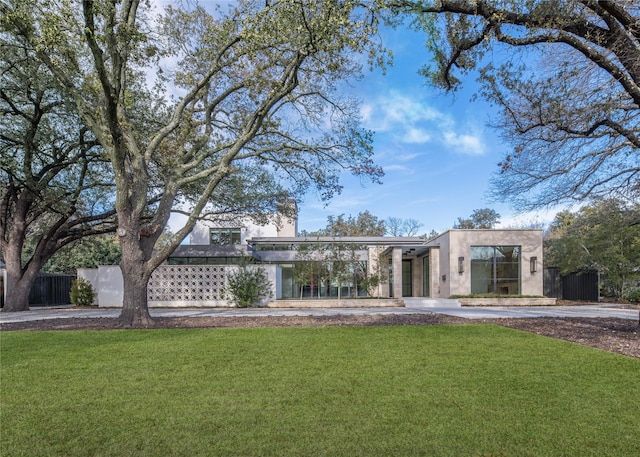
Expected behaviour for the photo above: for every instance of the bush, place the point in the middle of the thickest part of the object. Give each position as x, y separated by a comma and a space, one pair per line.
247, 286
81, 293
634, 296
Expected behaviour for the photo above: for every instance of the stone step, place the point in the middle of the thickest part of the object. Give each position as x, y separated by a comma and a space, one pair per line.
424, 302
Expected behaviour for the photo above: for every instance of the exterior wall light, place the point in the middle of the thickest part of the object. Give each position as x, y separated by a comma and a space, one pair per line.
460, 265
533, 264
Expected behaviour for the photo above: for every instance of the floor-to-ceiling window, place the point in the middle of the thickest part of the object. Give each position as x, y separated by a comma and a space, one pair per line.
319, 280
495, 270
426, 277
407, 278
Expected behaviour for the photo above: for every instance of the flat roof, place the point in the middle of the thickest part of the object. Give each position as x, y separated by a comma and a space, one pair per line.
369, 240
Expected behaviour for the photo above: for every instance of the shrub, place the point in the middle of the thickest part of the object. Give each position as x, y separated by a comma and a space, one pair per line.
634, 296
247, 286
81, 293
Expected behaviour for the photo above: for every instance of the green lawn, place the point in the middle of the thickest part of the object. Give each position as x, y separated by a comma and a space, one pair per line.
376, 391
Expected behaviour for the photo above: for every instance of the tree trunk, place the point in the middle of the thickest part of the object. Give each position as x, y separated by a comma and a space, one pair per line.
19, 282
135, 311
135, 275
17, 292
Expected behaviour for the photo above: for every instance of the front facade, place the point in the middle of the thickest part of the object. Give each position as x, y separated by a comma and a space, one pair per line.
469, 261
457, 262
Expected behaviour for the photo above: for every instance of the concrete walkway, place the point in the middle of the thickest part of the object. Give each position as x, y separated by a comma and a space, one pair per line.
447, 308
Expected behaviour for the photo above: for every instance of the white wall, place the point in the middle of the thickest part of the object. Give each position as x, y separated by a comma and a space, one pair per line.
457, 243
248, 229
110, 286
108, 283
91, 275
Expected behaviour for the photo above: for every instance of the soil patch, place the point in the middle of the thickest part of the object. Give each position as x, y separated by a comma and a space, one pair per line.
609, 334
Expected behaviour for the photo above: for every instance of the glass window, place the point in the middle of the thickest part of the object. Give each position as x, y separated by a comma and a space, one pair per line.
224, 236
495, 270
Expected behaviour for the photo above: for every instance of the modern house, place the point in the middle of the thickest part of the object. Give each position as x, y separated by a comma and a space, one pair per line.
457, 262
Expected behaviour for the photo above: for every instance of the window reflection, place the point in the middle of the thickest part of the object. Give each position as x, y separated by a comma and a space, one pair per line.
495, 270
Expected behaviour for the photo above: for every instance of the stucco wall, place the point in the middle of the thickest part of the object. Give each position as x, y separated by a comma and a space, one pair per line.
248, 229
458, 243
279, 227
443, 259
108, 283
434, 273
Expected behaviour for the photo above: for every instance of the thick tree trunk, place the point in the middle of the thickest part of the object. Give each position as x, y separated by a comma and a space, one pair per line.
17, 292
19, 282
135, 274
135, 311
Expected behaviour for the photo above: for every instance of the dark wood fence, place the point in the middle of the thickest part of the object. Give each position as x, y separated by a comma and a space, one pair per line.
583, 286
51, 289
552, 283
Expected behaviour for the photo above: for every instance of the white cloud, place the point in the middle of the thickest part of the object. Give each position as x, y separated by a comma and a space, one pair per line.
399, 113
411, 120
415, 135
396, 167
464, 143
408, 156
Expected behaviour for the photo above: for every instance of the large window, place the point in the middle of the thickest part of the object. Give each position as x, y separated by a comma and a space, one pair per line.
318, 280
495, 270
224, 236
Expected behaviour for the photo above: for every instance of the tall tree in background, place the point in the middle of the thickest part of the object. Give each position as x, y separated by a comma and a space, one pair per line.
339, 261
87, 252
484, 218
364, 224
52, 186
568, 87
254, 88
605, 237
396, 226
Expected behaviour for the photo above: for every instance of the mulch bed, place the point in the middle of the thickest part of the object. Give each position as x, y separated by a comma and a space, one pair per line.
609, 334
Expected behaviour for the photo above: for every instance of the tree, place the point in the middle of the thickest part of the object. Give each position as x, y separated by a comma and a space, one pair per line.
484, 218
396, 226
339, 259
88, 252
568, 89
52, 191
252, 88
364, 224
603, 236
248, 286
310, 267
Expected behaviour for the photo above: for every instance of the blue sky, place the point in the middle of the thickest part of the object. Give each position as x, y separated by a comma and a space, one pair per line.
436, 150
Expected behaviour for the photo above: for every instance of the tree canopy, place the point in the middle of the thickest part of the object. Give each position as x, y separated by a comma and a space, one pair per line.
396, 226
603, 236
246, 94
565, 75
364, 224
484, 218
53, 190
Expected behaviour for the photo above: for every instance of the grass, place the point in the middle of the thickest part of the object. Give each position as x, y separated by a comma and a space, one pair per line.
390, 391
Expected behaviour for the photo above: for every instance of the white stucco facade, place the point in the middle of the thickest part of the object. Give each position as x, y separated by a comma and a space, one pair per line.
279, 226
456, 244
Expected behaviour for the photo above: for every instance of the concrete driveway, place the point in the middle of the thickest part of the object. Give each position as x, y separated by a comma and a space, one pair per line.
450, 309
